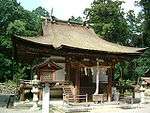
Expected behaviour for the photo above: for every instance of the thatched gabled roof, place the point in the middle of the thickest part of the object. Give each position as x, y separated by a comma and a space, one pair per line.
61, 34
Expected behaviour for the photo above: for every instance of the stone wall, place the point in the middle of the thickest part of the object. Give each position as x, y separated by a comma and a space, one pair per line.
8, 88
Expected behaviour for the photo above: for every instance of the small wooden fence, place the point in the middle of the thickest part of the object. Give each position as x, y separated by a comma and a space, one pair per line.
75, 98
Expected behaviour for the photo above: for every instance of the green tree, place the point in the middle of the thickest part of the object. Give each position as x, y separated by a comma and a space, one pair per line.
135, 26
41, 12
108, 20
74, 19
5, 68
14, 19
17, 27
146, 34
33, 23
143, 63
10, 10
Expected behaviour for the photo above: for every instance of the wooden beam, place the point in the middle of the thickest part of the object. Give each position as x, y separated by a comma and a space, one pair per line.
48, 50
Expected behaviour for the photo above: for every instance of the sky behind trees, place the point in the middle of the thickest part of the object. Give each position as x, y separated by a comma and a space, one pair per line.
64, 9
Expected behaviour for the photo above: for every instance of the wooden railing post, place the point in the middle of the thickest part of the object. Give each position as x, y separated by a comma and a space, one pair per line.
63, 98
86, 97
74, 98
67, 96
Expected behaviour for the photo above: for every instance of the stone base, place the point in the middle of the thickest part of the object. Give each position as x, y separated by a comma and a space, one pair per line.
34, 108
98, 98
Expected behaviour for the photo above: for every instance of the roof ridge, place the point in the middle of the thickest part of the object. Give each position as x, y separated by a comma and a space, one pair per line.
69, 22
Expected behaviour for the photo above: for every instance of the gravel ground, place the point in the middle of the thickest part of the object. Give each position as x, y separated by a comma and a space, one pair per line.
136, 108
4, 110
124, 109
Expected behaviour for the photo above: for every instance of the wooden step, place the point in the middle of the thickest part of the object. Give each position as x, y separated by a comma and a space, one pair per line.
67, 90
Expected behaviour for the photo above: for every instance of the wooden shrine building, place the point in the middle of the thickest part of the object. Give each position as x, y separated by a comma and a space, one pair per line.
88, 61
46, 70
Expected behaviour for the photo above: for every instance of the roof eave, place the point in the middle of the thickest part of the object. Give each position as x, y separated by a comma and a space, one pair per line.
137, 53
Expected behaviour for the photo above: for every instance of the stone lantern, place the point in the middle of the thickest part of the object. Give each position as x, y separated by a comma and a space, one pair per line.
142, 90
35, 91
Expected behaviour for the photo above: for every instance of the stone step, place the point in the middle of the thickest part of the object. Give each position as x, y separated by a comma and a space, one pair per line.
23, 106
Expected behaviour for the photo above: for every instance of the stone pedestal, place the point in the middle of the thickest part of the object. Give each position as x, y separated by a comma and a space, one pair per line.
35, 96
142, 95
98, 98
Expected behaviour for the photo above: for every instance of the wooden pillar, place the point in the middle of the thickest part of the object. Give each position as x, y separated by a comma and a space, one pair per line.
113, 71
40, 94
67, 69
77, 80
110, 85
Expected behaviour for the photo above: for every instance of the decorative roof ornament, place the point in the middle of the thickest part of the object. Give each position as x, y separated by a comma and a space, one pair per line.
53, 19
85, 24
69, 22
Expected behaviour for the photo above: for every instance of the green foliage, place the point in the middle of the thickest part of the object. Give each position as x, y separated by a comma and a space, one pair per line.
17, 27
5, 41
19, 72
14, 19
41, 12
5, 68
10, 83
10, 10
29, 25
108, 20
143, 64
33, 23
121, 70
146, 8
78, 19
135, 26
125, 83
